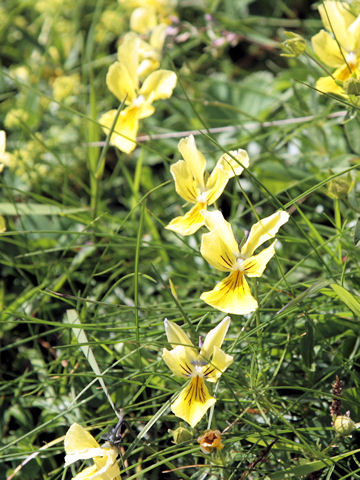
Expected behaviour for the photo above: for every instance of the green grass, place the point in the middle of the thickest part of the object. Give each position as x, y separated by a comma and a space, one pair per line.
87, 266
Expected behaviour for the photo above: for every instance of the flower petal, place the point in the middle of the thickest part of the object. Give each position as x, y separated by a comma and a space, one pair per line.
193, 401
128, 54
219, 246
326, 48
225, 169
337, 18
231, 295
78, 440
264, 230
107, 467
186, 185
219, 363
188, 223
176, 335
158, 85
215, 338
179, 360
86, 474
121, 83
255, 265
125, 130
194, 160
143, 19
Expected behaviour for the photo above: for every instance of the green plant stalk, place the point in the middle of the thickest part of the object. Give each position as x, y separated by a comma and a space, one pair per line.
93, 154
338, 226
136, 281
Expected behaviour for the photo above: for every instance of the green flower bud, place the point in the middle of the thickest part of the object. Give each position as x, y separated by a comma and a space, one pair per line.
181, 435
294, 46
340, 187
344, 425
352, 86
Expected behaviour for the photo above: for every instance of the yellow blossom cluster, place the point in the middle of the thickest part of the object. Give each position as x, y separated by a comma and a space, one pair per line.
135, 78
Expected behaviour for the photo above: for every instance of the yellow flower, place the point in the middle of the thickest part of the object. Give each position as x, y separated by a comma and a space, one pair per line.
185, 361
338, 47
5, 157
123, 80
220, 249
190, 183
147, 14
81, 445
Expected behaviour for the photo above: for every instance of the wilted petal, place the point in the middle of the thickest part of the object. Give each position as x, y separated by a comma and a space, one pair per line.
125, 130
158, 85
121, 83
327, 49
264, 230
255, 265
231, 295
193, 402
219, 246
215, 338
219, 363
225, 169
188, 223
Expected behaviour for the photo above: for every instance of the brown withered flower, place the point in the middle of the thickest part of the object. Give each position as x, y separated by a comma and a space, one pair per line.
211, 439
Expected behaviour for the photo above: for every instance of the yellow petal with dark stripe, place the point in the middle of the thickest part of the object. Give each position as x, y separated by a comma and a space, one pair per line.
231, 295
193, 402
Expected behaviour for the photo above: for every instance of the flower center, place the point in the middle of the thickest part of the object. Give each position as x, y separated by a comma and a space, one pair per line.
351, 59
239, 264
139, 100
202, 197
197, 371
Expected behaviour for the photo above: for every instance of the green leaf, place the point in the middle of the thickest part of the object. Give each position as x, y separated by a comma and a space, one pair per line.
357, 232
347, 297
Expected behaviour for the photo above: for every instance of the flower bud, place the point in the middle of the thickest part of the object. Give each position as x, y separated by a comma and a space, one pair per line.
340, 187
352, 86
344, 425
294, 46
181, 435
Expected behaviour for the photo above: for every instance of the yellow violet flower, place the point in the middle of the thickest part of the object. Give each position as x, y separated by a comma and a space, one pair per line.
123, 80
185, 361
190, 184
220, 249
81, 445
338, 47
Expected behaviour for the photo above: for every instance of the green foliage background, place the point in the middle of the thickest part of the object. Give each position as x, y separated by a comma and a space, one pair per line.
92, 249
